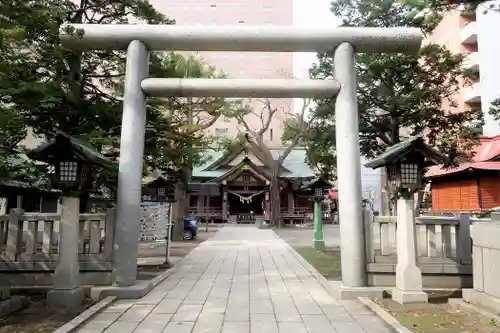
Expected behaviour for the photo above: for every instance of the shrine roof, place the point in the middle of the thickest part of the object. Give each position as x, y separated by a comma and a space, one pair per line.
295, 163
486, 156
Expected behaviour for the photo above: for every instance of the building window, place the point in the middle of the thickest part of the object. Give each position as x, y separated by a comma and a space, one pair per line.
271, 134
268, 8
268, 23
241, 22
221, 131
213, 6
267, 71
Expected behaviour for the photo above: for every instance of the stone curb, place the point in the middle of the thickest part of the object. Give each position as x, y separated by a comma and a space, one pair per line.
458, 303
386, 316
74, 324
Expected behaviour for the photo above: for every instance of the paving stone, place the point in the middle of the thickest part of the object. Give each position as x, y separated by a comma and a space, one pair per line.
349, 326
179, 327
216, 305
285, 310
263, 323
236, 327
318, 324
121, 327
237, 313
209, 323
153, 323
136, 313
121, 305
187, 312
167, 305
355, 307
102, 321
152, 298
292, 327
262, 306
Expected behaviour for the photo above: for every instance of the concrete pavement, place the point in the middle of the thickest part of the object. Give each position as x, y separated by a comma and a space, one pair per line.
297, 236
241, 280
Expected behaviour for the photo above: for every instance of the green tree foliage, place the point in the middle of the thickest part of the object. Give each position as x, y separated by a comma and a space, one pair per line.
429, 12
398, 94
494, 110
49, 88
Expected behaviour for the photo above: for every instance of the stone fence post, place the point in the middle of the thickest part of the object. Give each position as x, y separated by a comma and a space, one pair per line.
67, 290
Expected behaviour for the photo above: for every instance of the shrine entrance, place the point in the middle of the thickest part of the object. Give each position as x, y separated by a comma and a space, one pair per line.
246, 202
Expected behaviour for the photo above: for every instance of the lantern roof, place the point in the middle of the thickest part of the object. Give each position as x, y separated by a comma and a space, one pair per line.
398, 153
57, 148
159, 181
319, 182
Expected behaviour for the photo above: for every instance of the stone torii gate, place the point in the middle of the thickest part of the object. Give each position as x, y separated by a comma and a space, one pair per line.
139, 39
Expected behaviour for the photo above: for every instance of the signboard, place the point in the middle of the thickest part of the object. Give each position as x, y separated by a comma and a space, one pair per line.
153, 225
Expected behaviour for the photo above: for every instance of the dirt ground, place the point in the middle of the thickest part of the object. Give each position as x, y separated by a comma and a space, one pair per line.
327, 262
439, 317
37, 317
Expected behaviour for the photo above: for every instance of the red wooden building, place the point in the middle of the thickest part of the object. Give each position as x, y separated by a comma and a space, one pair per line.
473, 186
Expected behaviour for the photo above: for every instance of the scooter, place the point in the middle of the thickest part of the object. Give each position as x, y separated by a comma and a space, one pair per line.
190, 229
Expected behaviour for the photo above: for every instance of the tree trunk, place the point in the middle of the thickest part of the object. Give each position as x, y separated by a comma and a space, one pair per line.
418, 197
275, 203
179, 211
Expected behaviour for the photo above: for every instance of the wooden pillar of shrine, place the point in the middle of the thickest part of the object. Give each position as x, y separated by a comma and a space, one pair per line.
200, 201
267, 203
291, 201
225, 211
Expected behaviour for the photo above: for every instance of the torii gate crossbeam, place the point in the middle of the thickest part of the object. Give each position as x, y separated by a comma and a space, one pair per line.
139, 39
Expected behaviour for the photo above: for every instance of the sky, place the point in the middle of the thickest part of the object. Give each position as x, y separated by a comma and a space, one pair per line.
316, 13
310, 13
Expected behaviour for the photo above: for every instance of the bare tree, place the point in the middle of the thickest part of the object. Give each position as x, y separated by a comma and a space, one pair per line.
274, 163
370, 195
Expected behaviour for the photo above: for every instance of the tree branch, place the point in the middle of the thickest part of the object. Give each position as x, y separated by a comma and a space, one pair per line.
299, 133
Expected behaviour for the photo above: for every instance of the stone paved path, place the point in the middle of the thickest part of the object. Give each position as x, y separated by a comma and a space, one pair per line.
242, 280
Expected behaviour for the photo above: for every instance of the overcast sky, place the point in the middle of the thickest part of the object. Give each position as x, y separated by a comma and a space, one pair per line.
310, 13
307, 13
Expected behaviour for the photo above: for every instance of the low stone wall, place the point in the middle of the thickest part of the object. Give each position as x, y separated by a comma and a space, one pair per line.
486, 267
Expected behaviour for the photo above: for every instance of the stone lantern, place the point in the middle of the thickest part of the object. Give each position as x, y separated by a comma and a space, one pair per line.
319, 188
75, 164
405, 164
73, 161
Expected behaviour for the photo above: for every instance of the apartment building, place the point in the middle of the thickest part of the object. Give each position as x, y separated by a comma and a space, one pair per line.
475, 34
241, 64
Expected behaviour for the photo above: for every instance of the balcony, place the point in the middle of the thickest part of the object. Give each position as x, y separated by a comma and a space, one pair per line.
471, 62
467, 10
468, 34
472, 94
